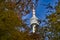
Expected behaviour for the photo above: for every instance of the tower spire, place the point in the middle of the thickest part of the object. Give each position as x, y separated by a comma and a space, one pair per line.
33, 11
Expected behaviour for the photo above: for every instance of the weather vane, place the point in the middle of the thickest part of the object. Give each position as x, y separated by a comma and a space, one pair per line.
34, 20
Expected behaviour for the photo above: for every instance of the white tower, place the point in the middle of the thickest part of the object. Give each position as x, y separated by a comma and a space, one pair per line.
34, 20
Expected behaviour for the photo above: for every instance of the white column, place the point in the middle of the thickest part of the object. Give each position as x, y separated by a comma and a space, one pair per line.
34, 29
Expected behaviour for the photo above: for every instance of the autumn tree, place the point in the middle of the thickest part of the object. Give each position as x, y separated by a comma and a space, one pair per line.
11, 21
54, 24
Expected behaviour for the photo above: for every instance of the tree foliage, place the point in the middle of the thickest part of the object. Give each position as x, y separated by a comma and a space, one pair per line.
54, 24
11, 21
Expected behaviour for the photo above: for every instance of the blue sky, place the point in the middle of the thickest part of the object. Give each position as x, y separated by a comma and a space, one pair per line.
41, 10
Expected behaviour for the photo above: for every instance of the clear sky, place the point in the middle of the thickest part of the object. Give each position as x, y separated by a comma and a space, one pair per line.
41, 10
